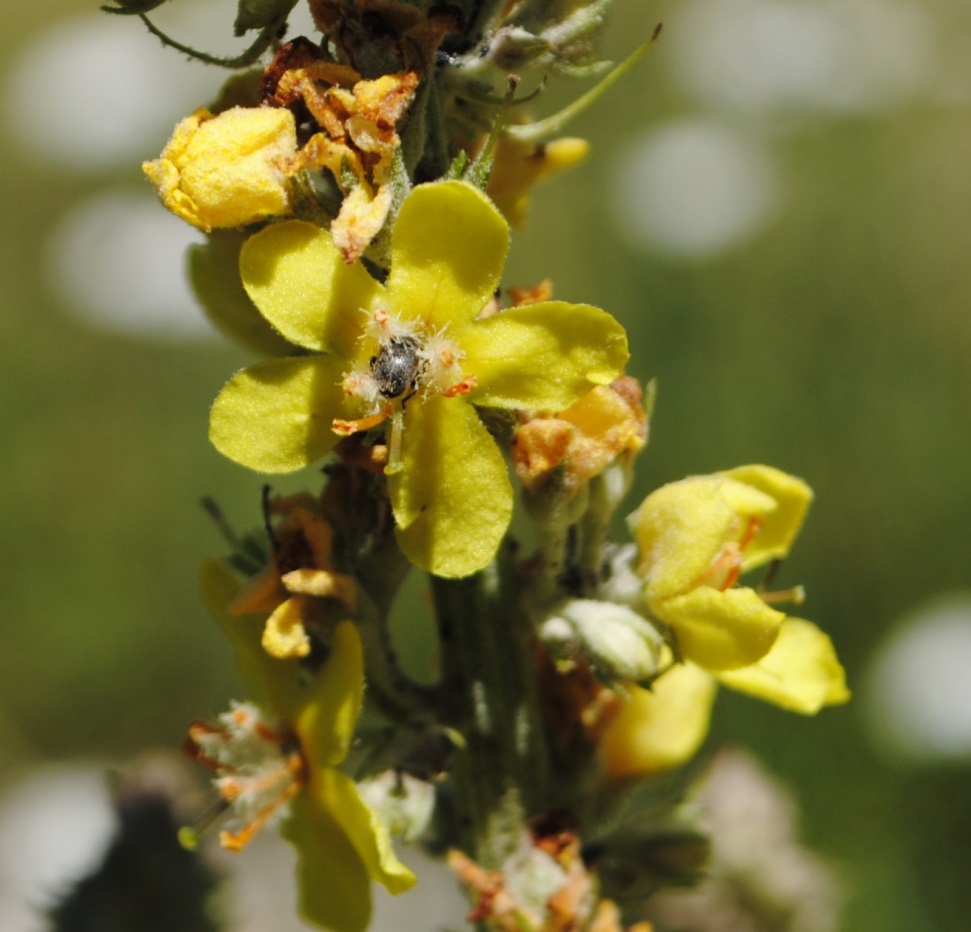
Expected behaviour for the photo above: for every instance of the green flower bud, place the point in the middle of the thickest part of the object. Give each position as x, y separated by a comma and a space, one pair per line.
617, 642
404, 803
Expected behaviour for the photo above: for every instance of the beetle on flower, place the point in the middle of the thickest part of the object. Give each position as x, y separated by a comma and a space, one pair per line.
415, 355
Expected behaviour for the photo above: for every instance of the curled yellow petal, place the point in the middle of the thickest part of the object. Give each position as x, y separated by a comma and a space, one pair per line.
801, 673
361, 217
721, 630
682, 527
780, 525
284, 634
368, 834
519, 165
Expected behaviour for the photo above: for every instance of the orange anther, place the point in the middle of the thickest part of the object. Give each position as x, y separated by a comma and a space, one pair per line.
461, 388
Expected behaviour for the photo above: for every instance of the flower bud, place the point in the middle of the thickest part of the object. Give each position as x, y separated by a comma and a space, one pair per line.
617, 642
226, 170
404, 803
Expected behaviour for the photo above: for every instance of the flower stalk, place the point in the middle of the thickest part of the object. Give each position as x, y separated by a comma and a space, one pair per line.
359, 194
489, 694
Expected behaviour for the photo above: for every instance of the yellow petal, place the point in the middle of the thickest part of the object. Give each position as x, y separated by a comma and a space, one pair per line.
682, 526
326, 723
367, 833
361, 217
224, 171
542, 357
334, 886
322, 584
452, 501
296, 276
519, 165
801, 673
661, 728
792, 498
284, 634
276, 416
721, 630
448, 247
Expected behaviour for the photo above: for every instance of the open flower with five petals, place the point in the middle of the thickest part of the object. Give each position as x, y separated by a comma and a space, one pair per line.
280, 755
414, 355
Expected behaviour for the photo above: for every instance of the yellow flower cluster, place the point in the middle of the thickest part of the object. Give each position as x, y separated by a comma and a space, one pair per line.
379, 307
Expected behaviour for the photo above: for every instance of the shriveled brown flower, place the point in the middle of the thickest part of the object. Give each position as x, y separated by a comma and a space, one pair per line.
583, 440
358, 136
300, 576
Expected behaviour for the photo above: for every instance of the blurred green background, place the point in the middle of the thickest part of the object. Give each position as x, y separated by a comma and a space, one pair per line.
823, 327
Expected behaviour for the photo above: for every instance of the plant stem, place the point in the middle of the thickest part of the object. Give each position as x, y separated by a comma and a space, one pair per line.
489, 694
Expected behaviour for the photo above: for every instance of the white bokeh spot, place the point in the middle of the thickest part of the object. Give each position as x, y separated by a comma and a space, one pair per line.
54, 827
117, 260
118, 91
773, 59
694, 188
917, 692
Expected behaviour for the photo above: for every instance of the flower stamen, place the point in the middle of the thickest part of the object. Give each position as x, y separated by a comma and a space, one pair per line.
460, 388
794, 595
259, 768
290, 775
346, 428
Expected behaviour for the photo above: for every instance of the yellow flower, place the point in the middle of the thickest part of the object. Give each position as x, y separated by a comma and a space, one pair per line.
281, 754
299, 580
661, 728
225, 170
696, 537
415, 353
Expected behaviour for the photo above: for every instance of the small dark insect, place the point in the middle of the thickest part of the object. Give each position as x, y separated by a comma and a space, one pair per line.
397, 367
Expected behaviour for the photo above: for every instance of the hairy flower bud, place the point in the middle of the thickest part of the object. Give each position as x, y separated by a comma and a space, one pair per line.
617, 642
404, 803
225, 170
